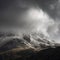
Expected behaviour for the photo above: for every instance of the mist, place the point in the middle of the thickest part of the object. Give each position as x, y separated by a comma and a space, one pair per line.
31, 17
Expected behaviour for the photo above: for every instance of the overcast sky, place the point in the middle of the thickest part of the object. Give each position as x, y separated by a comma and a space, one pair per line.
46, 12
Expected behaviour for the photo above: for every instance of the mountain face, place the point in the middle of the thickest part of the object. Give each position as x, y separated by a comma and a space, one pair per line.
9, 41
14, 47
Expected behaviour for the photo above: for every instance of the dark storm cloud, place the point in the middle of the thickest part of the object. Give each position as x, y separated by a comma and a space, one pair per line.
50, 6
11, 9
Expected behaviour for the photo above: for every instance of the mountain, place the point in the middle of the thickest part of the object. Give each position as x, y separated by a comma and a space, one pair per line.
29, 47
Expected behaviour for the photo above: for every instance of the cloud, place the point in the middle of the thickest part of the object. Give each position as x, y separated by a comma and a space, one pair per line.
27, 18
40, 21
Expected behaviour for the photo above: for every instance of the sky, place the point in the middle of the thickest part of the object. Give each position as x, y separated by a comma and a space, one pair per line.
41, 16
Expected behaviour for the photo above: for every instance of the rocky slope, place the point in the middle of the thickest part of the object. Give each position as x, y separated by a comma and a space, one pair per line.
13, 47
